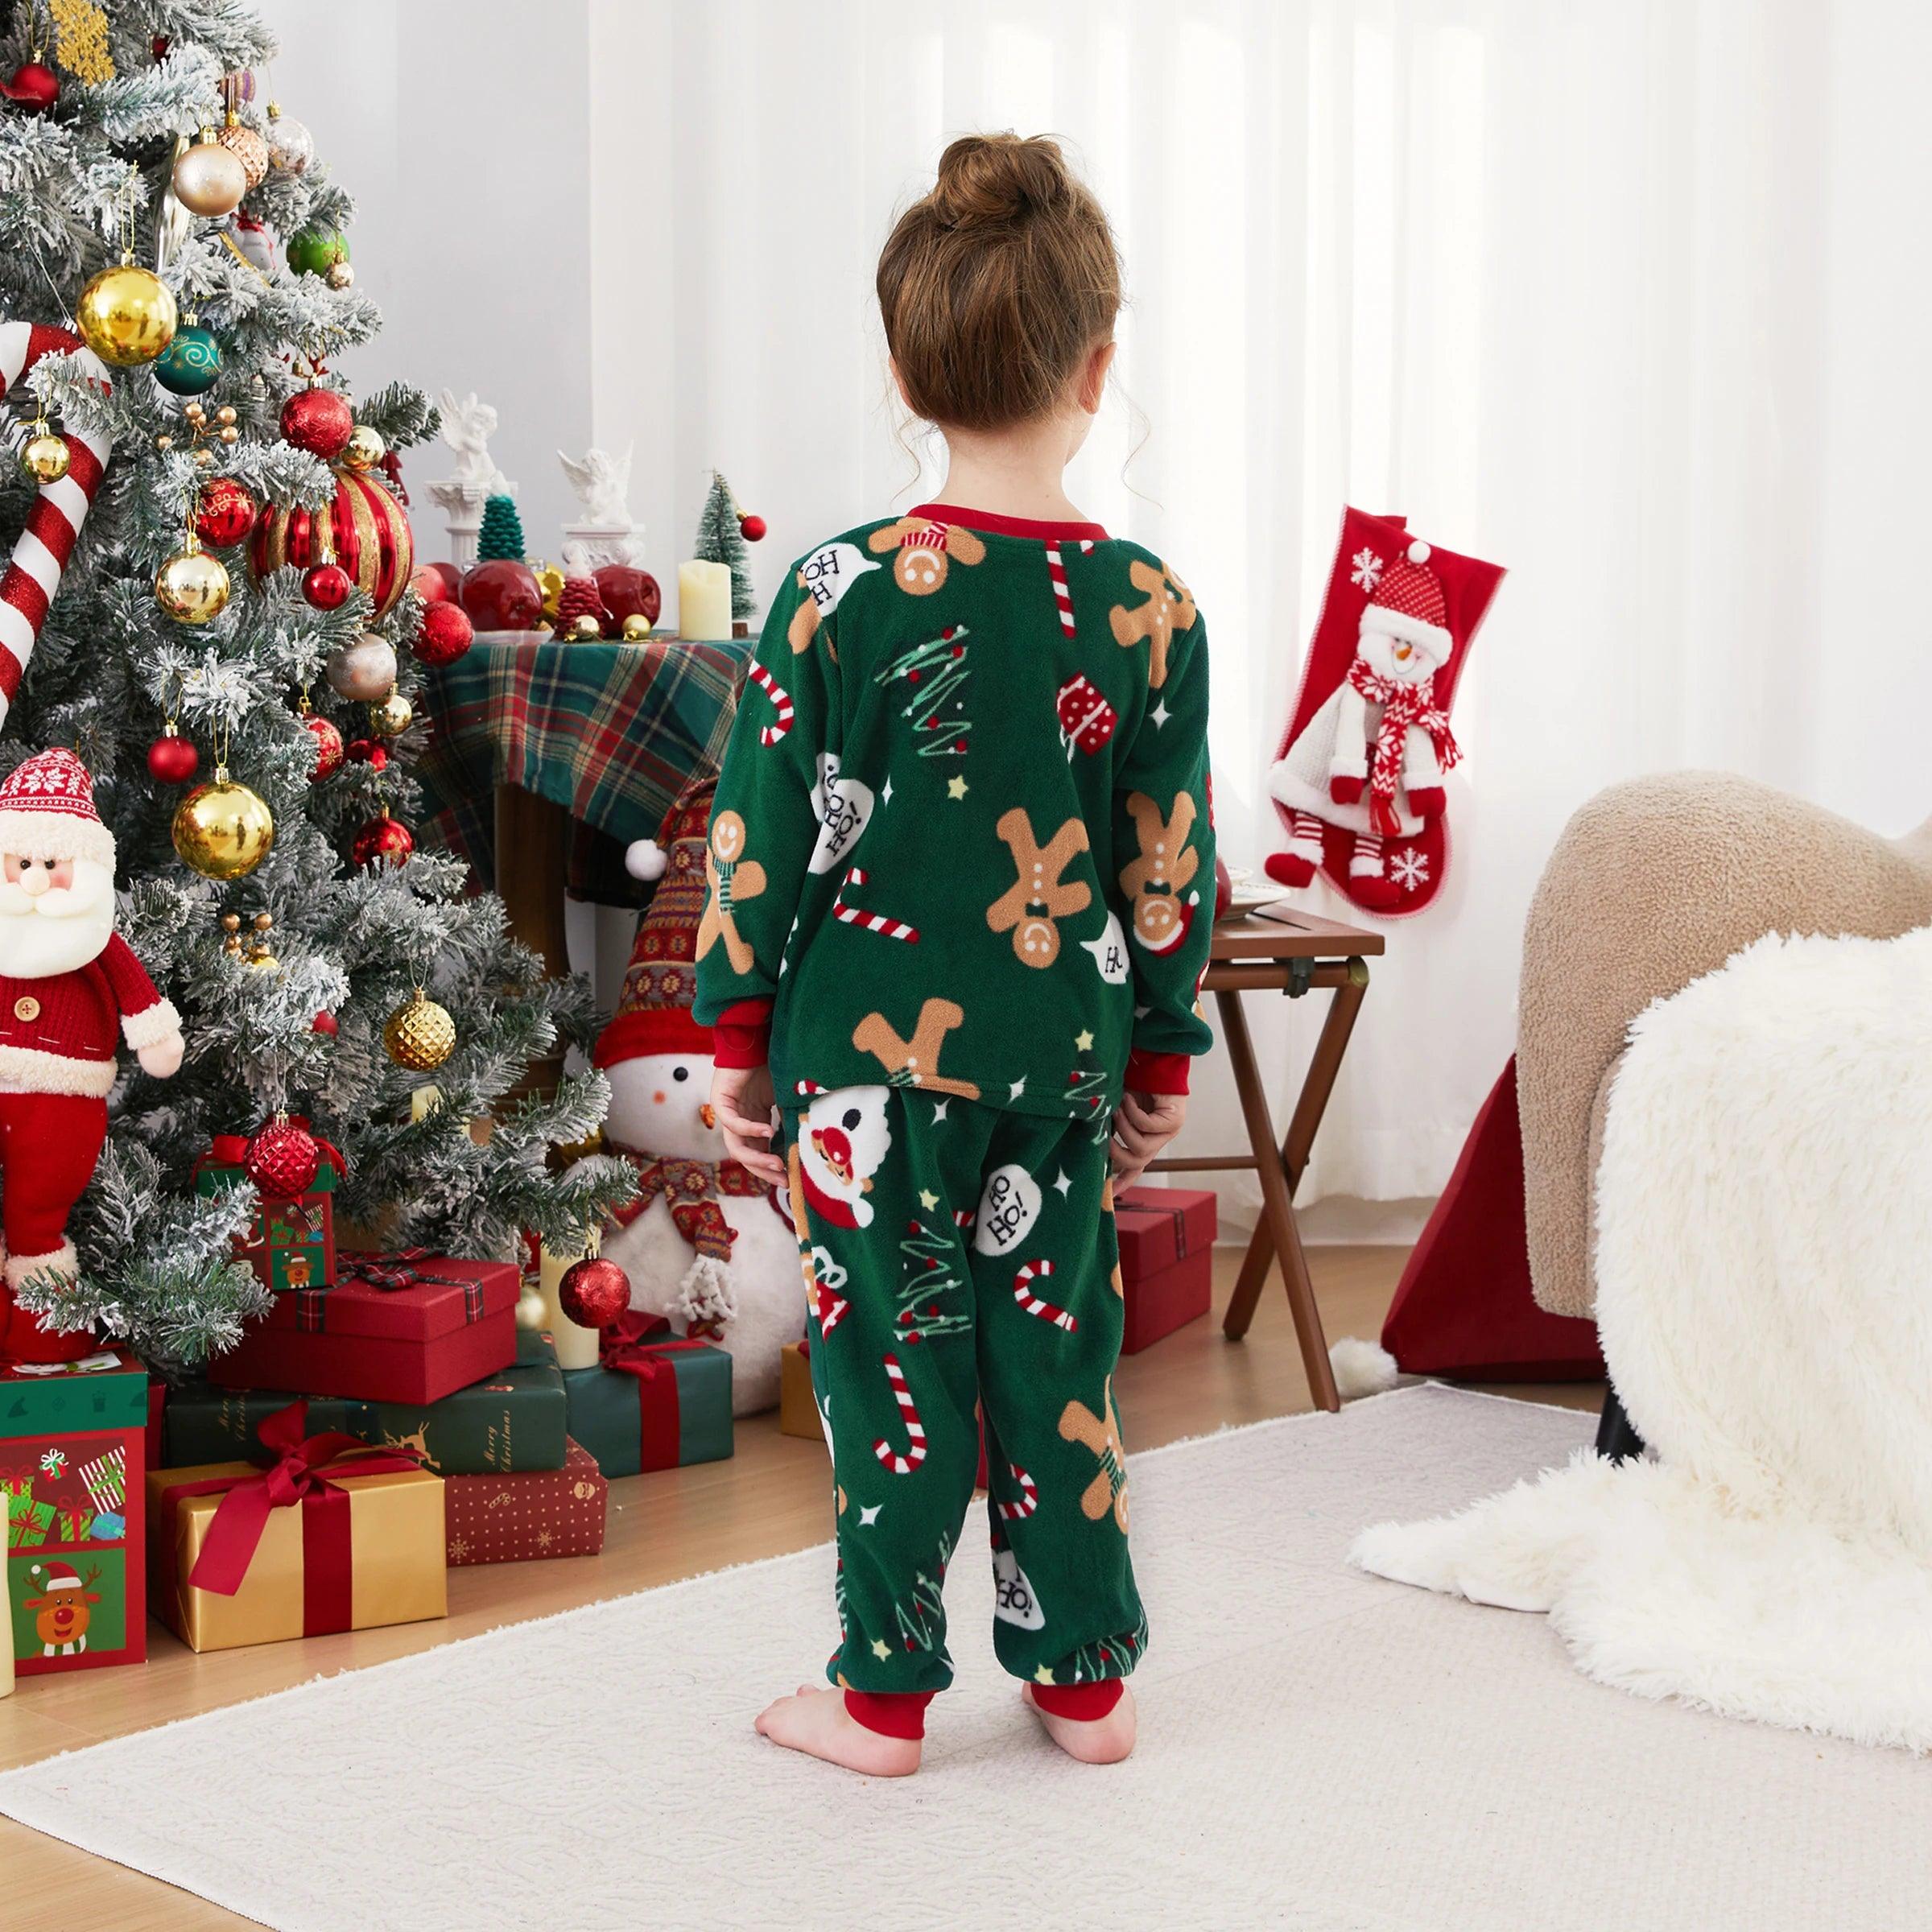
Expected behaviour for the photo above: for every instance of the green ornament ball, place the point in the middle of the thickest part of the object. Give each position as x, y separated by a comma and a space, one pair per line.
315, 251
190, 363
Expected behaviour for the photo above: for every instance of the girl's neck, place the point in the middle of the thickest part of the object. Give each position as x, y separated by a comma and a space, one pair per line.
1016, 473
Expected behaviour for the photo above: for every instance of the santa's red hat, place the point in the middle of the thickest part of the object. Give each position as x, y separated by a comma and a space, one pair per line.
1407, 604
46, 810
654, 1013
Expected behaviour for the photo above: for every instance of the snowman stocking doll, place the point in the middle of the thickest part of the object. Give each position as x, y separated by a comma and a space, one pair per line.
1359, 784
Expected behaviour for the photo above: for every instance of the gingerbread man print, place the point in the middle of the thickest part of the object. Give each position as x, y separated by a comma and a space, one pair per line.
926, 552
1166, 867
1029, 908
916, 1062
1101, 1435
733, 879
1169, 607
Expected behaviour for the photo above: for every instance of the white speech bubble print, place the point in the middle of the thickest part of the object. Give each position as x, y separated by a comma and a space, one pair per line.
831, 571
1109, 952
1016, 1603
1008, 1209
844, 807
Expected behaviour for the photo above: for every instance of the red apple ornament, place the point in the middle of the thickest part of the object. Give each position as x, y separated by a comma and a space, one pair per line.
430, 585
627, 593
502, 594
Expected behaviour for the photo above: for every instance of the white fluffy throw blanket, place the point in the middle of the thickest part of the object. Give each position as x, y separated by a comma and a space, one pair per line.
1764, 1269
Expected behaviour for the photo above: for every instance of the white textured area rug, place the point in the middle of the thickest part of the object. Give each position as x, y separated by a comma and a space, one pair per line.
1318, 1751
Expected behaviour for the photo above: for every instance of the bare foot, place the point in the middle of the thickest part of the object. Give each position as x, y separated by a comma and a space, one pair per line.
1104, 1740
816, 1722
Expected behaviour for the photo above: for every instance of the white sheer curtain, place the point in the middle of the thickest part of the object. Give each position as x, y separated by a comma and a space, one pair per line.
1627, 296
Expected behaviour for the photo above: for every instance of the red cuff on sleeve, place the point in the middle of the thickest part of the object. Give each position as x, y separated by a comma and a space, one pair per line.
740, 1036
1156, 1072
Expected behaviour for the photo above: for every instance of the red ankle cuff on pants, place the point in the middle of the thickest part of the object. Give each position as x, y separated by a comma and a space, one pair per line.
890, 1713
1084, 1704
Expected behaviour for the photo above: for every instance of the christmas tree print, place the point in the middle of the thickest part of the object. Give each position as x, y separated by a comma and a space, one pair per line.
1106, 1656
935, 673
1087, 1088
922, 1617
500, 533
928, 1254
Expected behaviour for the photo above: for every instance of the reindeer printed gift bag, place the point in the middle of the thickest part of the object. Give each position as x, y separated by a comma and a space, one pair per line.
71, 1455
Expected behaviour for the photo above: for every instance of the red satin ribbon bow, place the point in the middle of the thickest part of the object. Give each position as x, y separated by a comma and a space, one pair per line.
299, 1474
643, 1345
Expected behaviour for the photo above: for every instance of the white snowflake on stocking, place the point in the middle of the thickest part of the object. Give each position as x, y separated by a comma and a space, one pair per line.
53, 1462
459, 1548
1409, 869
1368, 571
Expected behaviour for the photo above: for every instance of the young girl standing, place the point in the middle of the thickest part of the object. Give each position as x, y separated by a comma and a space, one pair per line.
962, 882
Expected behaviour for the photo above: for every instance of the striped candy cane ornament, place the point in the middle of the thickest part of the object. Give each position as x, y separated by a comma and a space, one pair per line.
781, 703
34, 572
869, 922
915, 1430
1029, 1498
1023, 1293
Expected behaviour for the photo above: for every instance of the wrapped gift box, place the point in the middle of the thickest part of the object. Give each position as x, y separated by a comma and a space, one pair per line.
512, 1421
394, 1329
292, 1241
1166, 1240
798, 1406
513, 1519
659, 1401
342, 1541
72, 1447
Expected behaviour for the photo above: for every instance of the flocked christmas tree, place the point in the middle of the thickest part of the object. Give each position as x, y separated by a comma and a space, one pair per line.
720, 539
301, 1023
500, 533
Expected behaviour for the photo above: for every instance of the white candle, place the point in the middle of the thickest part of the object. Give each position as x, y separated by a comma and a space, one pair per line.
425, 1100
703, 600
577, 1346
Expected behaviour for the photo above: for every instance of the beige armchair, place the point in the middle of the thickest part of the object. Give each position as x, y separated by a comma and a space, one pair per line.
1652, 883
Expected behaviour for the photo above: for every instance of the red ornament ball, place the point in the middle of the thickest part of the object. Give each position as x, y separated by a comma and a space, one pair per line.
326, 1024
326, 586
172, 758
226, 513
318, 420
383, 838
751, 529
430, 585
281, 1158
446, 634
593, 1293
329, 749
36, 86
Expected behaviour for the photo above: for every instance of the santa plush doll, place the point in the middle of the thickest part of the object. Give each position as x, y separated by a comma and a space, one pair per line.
71, 990
704, 1242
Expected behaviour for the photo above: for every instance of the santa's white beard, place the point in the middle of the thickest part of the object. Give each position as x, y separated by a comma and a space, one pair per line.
61, 930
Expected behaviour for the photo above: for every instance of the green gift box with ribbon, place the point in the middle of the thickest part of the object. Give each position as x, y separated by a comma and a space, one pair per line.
656, 1401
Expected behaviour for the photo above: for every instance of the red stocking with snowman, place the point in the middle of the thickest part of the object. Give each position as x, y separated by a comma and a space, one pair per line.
1359, 782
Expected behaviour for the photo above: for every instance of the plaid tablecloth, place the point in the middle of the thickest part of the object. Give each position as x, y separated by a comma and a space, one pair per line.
609, 731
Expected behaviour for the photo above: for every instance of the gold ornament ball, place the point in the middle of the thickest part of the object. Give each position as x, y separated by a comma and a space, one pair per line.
45, 457
339, 275
249, 148
225, 413
203, 456
584, 626
192, 586
229, 433
420, 1034
636, 627
127, 315
223, 830
364, 449
210, 179
390, 717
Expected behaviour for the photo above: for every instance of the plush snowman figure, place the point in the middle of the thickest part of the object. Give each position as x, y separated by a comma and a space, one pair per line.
704, 1243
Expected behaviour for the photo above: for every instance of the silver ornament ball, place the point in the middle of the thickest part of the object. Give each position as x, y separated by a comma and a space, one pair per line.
364, 670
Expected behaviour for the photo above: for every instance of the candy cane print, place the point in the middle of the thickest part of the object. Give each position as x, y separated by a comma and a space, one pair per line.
1023, 1293
1029, 1498
41, 556
781, 703
869, 922
915, 1430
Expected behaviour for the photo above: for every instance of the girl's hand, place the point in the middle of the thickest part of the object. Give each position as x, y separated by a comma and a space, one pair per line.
1143, 1124
742, 1099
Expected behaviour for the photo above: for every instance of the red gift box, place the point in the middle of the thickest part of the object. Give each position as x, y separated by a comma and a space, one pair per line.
407, 1327
1166, 1242
1087, 719
518, 1517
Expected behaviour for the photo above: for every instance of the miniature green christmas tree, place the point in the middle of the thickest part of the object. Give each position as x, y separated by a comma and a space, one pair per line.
721, 540
502, 532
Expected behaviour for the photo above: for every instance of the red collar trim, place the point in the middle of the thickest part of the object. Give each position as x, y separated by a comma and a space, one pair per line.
990, 524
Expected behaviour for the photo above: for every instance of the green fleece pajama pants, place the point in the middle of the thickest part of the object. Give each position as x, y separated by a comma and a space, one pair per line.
961, 1262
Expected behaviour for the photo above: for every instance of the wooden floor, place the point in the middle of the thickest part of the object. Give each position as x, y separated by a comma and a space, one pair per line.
768, 1498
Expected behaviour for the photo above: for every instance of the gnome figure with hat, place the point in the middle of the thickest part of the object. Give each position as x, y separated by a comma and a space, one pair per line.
704, 1243
71, 989
1370, 760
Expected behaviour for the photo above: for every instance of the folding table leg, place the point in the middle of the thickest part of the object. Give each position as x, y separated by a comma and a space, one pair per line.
1316, 1088
1278, 1210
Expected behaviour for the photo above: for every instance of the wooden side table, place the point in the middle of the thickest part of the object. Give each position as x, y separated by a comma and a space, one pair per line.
1291, 956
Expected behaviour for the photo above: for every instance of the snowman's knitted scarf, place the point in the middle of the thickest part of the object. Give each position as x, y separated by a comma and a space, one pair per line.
1402, 705
692, 1189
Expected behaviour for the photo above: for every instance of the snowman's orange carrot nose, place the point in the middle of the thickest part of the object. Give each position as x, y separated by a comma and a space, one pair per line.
707, 1115
1402, 654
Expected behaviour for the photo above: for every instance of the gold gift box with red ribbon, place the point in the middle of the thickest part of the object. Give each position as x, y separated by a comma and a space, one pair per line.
330, 1535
